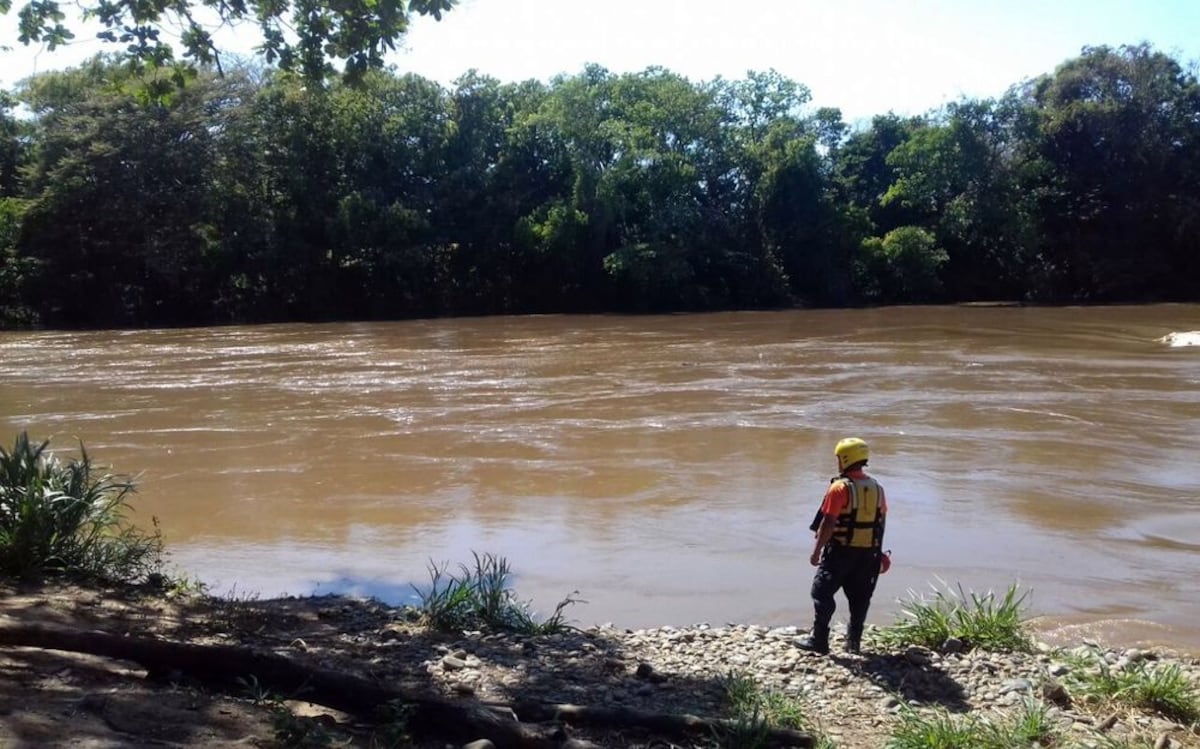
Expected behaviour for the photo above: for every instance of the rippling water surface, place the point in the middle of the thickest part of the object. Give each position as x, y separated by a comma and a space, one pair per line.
664, 467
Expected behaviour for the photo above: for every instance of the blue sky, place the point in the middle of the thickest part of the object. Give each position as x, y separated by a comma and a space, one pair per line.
865, 56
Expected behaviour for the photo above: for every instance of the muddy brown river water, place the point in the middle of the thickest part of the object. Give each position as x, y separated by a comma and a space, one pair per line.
665, 467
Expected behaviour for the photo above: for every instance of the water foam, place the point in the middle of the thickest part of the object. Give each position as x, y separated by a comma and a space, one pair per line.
1180, 340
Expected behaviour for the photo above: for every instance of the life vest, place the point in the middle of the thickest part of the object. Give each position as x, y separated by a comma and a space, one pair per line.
860, 526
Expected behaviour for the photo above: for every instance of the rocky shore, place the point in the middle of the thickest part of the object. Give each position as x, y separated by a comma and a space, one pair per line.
49, 698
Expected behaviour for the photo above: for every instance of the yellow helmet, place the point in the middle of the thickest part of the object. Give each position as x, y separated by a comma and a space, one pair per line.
850, 451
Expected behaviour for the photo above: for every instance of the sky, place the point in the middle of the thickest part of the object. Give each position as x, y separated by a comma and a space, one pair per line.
865, 57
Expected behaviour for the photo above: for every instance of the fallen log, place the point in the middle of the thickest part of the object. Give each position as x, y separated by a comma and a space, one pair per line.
524, 725
229, 666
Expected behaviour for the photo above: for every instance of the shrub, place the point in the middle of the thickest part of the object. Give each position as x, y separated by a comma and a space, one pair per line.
938, 729
481, 599
979, 620
68, 518
1161, 688
754, 711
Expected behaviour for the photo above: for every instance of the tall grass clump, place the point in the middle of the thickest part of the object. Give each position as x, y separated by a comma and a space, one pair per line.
1160, 688
480, 598
754, 711
68, 517
977, 620
937, 729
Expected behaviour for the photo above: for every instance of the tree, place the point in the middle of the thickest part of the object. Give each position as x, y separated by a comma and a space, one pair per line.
491, 177
303, 35
958, 179
388, 248
1117, 131
909, 260
16, 270
659, 180
862, 175
120, 221
799, 221
13, 147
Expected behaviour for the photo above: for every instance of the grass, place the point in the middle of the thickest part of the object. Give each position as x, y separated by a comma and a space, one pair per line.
480, 598
240, 614
938, 729
68, 517
390, 730
754, 711
978, 620
1159, 688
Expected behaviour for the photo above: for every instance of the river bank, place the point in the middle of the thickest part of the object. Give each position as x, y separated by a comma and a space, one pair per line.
50, 698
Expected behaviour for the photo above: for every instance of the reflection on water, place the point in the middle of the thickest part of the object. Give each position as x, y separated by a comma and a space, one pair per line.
664, 467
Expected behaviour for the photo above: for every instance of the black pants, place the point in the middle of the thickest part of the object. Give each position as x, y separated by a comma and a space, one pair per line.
853, 571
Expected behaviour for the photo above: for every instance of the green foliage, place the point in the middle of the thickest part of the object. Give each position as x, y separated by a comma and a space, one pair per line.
121, 223
935, 730
240, 614
257, 197
16, 270
978, 620
302, 35
1160, 688
13, 146
754, 711
938, 729
480, 598
1117, 140
68, 518
909, 260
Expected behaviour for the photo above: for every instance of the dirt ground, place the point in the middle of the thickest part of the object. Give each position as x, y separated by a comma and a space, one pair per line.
51, 698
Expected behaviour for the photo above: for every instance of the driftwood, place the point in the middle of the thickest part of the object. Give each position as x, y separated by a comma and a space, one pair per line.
522, 725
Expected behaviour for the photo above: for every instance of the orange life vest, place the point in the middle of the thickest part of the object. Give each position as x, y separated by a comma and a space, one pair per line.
860, 526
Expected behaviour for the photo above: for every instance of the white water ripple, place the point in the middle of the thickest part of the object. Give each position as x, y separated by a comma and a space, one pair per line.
1181, 340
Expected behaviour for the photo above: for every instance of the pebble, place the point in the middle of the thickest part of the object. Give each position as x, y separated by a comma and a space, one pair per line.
684, 670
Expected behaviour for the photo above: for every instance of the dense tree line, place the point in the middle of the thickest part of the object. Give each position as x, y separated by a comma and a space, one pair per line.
264, 196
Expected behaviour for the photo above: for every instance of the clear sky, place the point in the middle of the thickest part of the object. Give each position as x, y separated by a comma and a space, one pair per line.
864, 56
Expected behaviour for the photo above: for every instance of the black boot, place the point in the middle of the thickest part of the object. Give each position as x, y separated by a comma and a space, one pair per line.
854, 638
817, 642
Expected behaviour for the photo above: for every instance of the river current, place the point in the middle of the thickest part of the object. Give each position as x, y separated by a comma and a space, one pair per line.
664, 467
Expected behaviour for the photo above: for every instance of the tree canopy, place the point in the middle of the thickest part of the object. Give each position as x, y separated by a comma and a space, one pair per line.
300, 35
260, 197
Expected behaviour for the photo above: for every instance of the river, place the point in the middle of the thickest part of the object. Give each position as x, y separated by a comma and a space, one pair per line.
664, 467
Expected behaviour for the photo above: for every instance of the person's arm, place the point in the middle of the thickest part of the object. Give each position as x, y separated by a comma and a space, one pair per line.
824, 533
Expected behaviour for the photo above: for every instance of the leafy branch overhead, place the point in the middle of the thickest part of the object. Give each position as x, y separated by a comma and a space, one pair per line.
306, 36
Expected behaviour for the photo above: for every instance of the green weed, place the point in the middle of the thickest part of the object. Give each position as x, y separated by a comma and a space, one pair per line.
754, 711
938, 729
978, 620
480, 598
68, 517
240, 614
1160, 688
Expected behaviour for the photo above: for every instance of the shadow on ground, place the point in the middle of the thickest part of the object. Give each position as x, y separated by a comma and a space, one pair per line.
113, 703
914, 683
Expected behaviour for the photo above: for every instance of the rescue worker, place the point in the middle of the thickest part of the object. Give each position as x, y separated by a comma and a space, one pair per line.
848, 549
